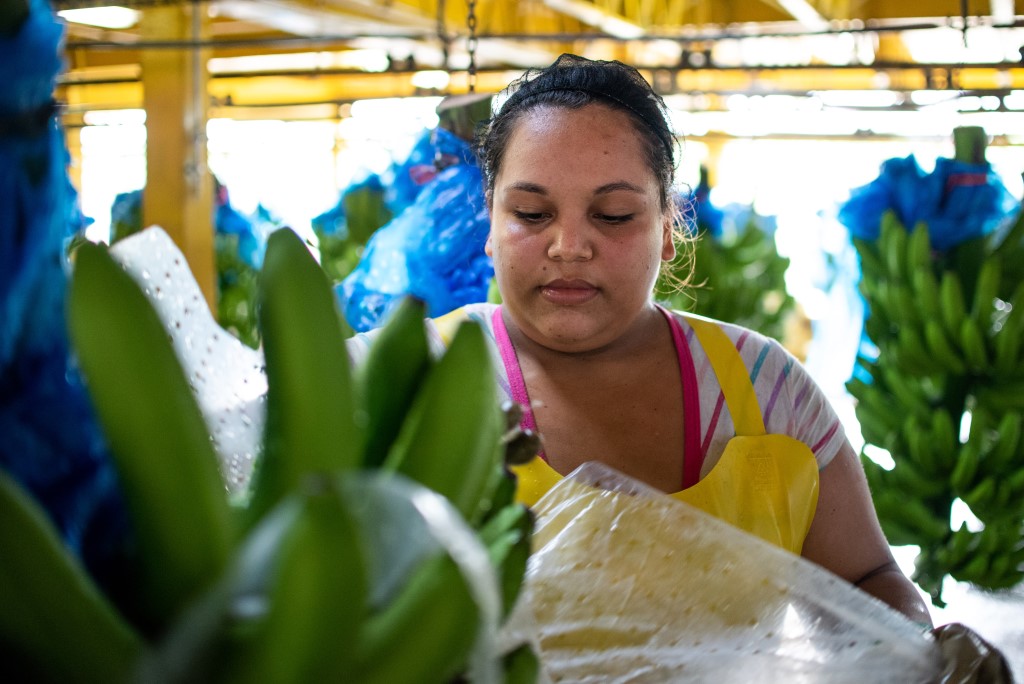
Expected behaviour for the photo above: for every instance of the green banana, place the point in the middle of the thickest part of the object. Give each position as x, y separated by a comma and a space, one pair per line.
916, 514
1007, 445
965, 469
972, 342
454, 446
870, 262
974, 570
391, 375
522, 666
160, 444
434, 620
908, 477
304, 567
51, 613
926, 291
507, 536
898, 529
919, 249
1002, 397
978, 498
311, 423
941, 349
893, 237
911, 350
951, 297
959, 545
1016, 484
985, 292
944, 439
1000, 565
1007, 346
919, 452
907, 391
909, 312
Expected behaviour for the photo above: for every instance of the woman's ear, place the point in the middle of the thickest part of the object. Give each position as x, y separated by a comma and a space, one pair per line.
488, 247
668, 244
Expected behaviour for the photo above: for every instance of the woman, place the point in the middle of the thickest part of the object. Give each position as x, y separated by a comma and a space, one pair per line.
578, 166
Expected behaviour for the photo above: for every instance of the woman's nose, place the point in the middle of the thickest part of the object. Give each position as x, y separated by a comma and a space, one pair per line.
570, 241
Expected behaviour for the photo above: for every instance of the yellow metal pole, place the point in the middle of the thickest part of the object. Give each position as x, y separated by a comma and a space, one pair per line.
73, 140
179, 189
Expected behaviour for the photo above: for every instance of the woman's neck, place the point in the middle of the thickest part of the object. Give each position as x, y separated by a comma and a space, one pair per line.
647, 333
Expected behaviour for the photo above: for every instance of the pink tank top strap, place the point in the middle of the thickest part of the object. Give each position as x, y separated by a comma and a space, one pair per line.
516, 383
693, 457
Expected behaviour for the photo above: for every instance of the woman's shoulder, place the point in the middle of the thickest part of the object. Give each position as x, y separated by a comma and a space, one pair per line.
481, 313
747, 341
440, 330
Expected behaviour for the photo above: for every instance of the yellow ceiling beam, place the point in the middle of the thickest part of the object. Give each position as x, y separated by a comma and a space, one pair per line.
265, 92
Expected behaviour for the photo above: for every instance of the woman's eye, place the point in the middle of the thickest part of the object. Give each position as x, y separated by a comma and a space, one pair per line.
528, 216
615, 218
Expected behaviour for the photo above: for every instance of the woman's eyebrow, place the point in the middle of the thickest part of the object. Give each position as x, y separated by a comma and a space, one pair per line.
618, 185
526, 186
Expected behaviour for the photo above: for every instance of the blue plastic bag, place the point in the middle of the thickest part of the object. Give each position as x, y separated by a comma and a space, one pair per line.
434, 250
51, 443
958, 201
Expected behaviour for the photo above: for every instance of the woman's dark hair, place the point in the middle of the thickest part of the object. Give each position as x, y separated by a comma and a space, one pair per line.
572, 82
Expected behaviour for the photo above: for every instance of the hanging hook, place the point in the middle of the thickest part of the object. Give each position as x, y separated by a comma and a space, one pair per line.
442, 35
963, 17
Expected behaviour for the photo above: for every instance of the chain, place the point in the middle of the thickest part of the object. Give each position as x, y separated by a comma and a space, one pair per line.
442, 34
471, 42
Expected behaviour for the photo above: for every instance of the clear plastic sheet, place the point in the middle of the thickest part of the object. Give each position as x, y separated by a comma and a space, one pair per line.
629, 585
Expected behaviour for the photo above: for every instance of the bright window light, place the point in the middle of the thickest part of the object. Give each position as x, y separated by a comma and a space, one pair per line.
431, 80
859, 98
115, 117
104, 17
1015, 100
367, 60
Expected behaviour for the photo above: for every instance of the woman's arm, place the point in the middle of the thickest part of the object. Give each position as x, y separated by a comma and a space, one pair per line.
845, 538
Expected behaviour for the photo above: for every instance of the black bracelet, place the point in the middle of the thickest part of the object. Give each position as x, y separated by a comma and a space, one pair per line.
30, 124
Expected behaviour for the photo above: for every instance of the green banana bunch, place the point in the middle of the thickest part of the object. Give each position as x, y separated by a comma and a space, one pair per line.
738, 278
286, 585
948, 327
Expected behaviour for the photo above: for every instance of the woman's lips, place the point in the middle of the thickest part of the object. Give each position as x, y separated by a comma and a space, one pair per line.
568, 292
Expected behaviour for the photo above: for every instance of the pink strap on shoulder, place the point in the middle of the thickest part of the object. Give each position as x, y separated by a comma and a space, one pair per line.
516, 383
693, 457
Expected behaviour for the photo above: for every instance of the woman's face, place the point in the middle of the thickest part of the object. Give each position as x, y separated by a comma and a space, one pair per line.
577, 228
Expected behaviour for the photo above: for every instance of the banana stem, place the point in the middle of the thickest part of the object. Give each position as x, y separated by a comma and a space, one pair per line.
13, 14
969, 143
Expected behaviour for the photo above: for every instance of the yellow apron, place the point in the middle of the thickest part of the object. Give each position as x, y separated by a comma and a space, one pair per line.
764, 484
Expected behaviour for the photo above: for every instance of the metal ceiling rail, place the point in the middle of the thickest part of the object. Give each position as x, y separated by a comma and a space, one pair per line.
71, 80
682, 36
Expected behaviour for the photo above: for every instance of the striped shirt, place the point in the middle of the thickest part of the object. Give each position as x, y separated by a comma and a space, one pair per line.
791, 403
